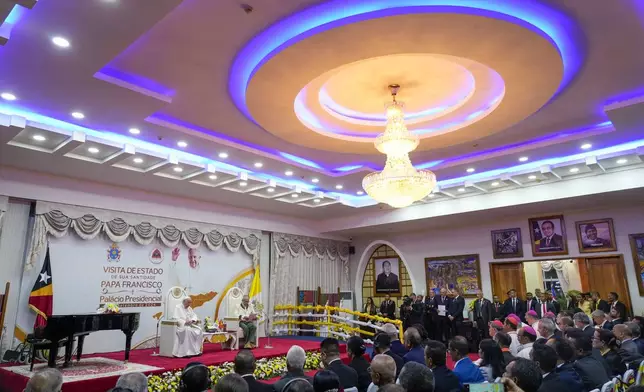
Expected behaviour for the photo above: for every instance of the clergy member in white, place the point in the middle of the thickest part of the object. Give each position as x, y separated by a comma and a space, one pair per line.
189, 334
247, 317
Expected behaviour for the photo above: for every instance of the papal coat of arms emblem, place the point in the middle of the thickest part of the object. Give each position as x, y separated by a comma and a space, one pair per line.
114, 253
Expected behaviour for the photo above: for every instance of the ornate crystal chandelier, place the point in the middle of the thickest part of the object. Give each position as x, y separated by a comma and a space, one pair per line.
399, 184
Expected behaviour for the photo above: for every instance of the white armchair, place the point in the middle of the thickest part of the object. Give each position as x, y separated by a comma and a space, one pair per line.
234, 297
168, 329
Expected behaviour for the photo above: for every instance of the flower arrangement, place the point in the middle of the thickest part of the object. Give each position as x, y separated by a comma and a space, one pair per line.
267, 368
108, 308
209, 325
470, 306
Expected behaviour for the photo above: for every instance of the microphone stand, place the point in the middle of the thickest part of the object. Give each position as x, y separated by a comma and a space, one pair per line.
267, 331
156, 340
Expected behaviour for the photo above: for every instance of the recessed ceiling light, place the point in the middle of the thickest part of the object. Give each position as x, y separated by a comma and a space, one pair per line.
495, 183
8, 96
223, 155
270, 190
360, 193
212, 177
93, 150
461, 189
316, 200
315, 180
523, 159
258, 164
243, 183
294, 195
288, 173
622, 161
138, 160
533, 177
78, 115
39, 138
339, 186
135, 131
178, 169
182, 144
471, 170
586, 146
60, 41
574, 170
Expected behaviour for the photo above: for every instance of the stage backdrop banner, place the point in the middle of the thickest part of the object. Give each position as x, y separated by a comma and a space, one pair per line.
89, 273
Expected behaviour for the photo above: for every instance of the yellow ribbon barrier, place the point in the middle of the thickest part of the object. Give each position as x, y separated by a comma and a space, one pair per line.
325, 324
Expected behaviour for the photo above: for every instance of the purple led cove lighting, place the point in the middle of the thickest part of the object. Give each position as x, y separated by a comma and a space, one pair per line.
531, 14
135, 83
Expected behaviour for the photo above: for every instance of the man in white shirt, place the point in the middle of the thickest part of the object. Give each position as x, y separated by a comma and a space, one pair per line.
527, 337
247, 317
189, 334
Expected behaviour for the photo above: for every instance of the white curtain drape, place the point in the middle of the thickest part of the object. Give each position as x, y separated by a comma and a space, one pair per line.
562, 272
4, 201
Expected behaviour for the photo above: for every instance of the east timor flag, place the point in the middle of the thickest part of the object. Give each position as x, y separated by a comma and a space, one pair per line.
41, 299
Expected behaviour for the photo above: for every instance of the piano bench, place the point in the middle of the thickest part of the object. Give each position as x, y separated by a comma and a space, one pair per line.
40, 344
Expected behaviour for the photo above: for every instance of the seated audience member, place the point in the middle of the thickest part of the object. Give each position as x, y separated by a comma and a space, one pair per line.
424, 336
136, 382
356, 350
382, 372
392, 388
504, 341
624, 335
435, 357
382, 345
616, 317
525, 374
526, 336
532, 319
46, 380
565, 323
245, 366
295, 359
465, 370
600, 320
492, 363
195, 377
565, 362
582, 321
495, 327
294, 385
396, 346
330, 356
326, 381
546, 357
415, 377
605, 342
636, 333
546, 328
416, 352
591, 371
510, 327
231, 383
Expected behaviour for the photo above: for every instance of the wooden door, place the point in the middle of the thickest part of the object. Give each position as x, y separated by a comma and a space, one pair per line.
607, 274
506, 276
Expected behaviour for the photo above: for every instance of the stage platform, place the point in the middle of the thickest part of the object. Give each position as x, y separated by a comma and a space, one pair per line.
99, 372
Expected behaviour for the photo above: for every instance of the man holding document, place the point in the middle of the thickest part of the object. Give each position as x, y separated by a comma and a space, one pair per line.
247, 318
444, 325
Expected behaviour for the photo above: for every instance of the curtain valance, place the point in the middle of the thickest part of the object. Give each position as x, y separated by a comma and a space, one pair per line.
309, 246
58, 219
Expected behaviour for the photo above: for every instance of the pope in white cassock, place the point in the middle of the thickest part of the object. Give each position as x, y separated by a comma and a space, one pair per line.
189, 334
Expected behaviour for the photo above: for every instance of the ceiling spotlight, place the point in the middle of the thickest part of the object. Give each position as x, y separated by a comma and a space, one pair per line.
622, 161
93, 150
223, 155
8, 96
178, 169
138, 160
270, 190
294, 195
78, 115
339, 186
243, 183
574, 170
315, 180
360, 193
135, 131
461, 189
258, 164
316, 200
39, 138
495, 183
523, 159
212, 177
471, 170
533, 177
288, 173
182, 144
586, 146
60, 42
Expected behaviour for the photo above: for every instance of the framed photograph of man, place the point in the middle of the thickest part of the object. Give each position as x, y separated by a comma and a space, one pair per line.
449, 272
387, 275
507, 243
548, 234
596, 236
637, 247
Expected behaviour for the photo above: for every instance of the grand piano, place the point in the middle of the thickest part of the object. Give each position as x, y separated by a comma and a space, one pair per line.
80, 325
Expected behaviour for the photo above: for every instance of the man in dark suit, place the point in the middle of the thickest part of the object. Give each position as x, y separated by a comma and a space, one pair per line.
387, 281
546, 357
513, 305
554, 303
565, 363
600, 304
551, 241
455, 311
482, 315
624, 334
396, 345
582, 322
442, 307
544, 306
464, 368
382, 345
497, 308
330, 357
413, 341
530, 302
295, 359
355, 350
388, 308
613, 300
435, 358
245, 367
431, 316
599, 319
591, 371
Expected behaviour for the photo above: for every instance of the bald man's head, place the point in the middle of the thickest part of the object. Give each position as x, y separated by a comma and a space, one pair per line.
383, 370
48, 380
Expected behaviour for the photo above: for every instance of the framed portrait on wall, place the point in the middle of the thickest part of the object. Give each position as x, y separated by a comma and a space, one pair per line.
449, 272
548, 235
387, 276
507, 243
596, 235
637, 247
